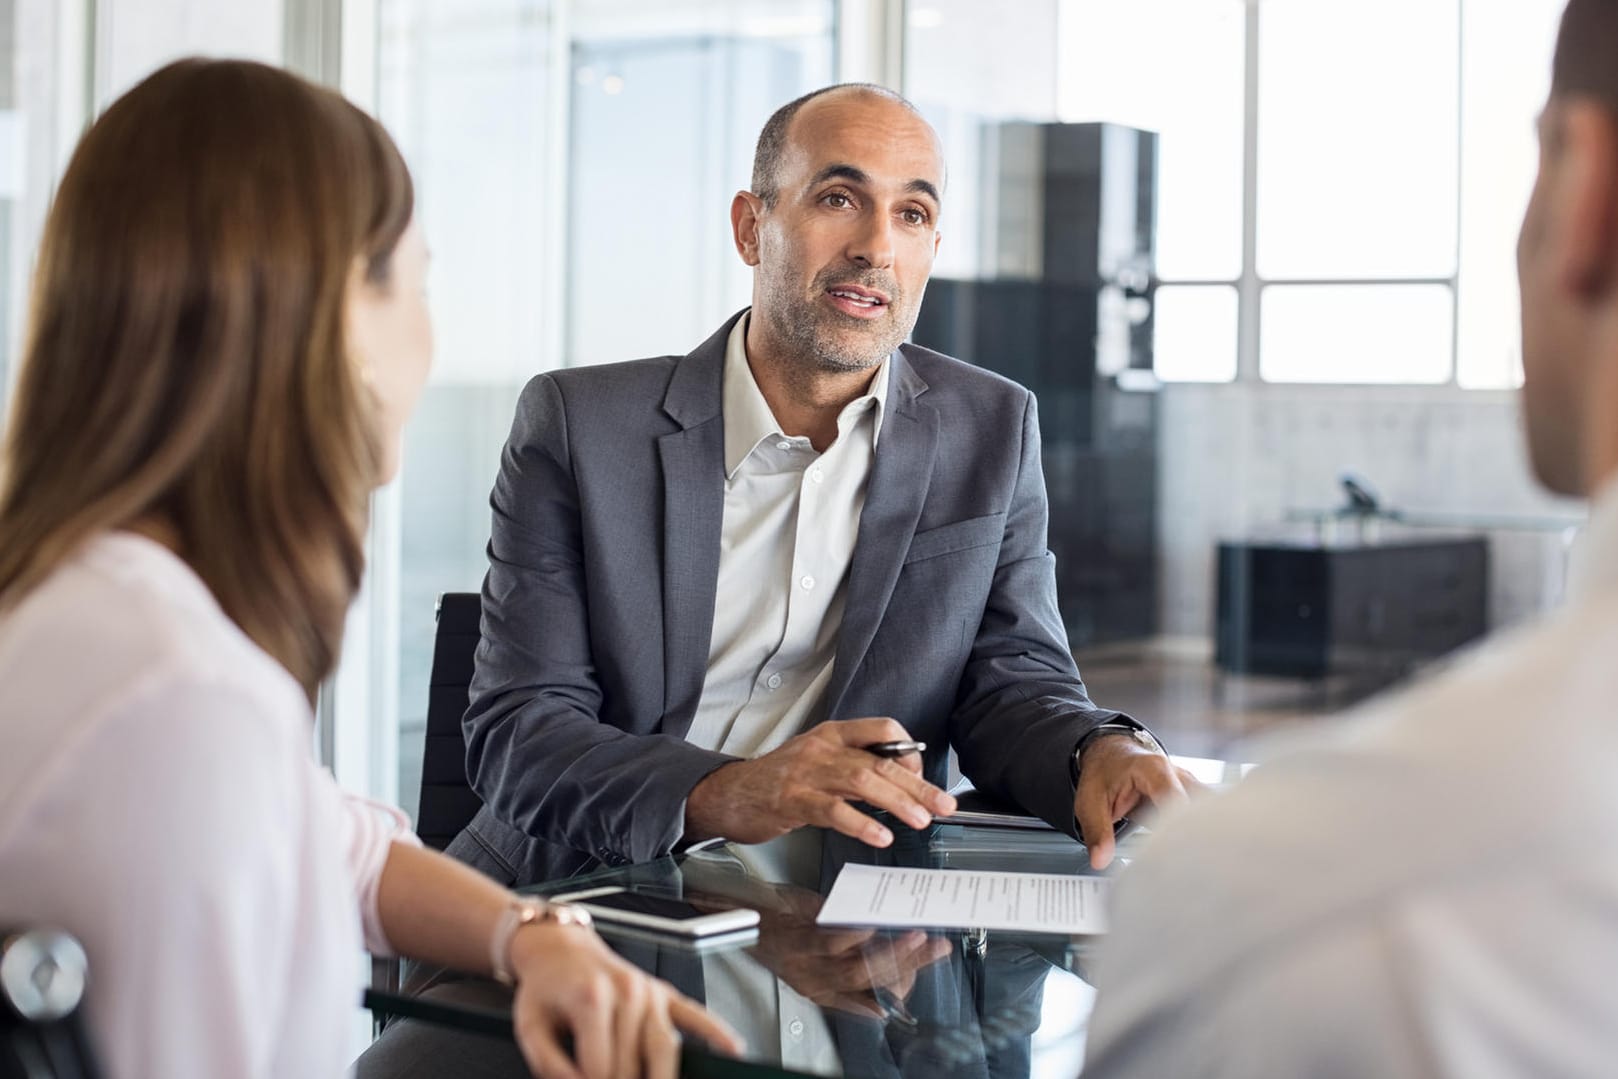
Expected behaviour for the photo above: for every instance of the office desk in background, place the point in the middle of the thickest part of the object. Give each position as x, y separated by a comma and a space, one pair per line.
1306, 609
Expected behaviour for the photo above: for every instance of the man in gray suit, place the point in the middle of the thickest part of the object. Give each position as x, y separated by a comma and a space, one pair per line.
716, 579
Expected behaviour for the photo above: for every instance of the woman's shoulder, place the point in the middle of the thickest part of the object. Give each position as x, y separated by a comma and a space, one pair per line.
124, 606
124, 642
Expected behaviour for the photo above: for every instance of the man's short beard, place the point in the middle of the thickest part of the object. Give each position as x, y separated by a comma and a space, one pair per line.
799, 327
803, 336
828, 358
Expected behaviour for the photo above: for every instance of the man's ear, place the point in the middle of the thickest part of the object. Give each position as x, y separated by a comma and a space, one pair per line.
745, 210
1584, 200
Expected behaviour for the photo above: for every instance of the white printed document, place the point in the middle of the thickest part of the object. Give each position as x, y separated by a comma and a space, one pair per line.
889, 896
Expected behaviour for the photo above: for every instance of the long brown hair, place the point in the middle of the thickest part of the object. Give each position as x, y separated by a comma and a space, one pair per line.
186, 360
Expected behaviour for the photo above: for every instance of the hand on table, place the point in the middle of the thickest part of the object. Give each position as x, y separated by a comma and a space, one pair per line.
1117, 777
624, 1024
810, 780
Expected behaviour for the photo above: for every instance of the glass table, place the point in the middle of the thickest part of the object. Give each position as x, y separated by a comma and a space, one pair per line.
809, 1000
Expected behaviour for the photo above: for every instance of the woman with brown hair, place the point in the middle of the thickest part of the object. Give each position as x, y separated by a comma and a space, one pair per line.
228, 331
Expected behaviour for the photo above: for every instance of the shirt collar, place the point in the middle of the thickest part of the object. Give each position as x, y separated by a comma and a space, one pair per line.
748, 419
1594, 568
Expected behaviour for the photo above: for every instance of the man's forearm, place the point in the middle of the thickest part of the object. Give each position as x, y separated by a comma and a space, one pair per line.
536, 776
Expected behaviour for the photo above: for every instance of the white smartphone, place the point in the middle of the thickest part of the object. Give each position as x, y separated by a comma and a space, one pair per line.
661, 913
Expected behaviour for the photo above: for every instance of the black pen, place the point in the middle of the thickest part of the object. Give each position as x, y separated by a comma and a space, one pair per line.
895, 749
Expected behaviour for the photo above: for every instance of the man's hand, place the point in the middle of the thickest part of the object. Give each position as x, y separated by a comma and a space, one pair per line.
623, 1024
1116, 775
810, 781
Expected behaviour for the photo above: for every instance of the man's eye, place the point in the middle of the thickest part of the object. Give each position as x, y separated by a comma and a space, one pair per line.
915, 217
836, 200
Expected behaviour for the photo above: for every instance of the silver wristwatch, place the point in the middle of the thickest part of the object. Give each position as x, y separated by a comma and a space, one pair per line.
1139, 734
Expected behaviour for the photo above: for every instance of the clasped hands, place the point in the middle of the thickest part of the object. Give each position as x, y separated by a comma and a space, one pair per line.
812, 779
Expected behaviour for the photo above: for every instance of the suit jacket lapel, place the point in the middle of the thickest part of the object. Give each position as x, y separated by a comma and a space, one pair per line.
693, 460
894, 498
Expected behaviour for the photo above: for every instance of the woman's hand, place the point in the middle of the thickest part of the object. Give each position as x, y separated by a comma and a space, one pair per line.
624, 1024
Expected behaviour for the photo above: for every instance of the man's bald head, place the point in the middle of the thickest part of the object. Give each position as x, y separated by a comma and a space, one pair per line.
772, 141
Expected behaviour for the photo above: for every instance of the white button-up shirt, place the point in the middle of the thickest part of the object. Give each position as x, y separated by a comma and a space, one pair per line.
791, 516
1431, 888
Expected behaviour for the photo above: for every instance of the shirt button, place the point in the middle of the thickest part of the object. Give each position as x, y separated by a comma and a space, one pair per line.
795, 1028
773, 681
817, 475
783, 445
808, 583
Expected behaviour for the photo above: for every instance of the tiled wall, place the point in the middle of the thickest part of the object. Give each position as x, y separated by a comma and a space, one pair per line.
1235, 458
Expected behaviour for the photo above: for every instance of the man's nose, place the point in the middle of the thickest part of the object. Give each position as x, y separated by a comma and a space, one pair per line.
872, 245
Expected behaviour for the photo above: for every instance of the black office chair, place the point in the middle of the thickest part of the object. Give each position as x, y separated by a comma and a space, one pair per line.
42, 1035
447, 801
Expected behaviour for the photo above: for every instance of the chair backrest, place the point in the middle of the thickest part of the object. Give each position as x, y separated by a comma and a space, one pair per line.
42, 1034
447, 801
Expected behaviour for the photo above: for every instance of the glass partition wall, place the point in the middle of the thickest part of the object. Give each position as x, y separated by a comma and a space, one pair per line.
575, 163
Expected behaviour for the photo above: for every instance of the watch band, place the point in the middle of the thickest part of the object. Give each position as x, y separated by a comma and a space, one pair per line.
1139, 733
1135, 731
523, 912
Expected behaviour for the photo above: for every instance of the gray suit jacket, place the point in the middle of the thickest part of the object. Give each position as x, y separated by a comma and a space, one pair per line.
599, 602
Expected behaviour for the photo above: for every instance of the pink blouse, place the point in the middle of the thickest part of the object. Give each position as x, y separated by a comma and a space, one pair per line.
159, 799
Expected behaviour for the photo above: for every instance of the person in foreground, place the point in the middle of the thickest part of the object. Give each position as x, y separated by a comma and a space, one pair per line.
716, 580
228, 331
1434, 890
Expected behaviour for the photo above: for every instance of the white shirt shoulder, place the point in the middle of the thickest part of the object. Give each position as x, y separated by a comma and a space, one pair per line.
1361, 897
163, 806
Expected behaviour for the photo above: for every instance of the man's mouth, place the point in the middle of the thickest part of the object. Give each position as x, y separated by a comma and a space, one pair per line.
857, 301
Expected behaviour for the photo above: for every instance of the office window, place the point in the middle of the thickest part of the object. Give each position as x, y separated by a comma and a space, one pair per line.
666, 105
1357, 139
1357, 179
1195, 333
963, 71
1393, 143
1173, 67
1357, 333
574, 189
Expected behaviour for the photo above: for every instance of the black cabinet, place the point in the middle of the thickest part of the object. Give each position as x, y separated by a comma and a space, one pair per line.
1069, 324
1309, 610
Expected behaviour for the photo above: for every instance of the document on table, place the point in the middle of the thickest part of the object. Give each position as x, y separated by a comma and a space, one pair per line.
890, 896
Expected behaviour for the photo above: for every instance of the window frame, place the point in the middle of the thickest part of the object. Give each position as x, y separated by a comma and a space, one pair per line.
1250, 286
